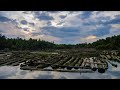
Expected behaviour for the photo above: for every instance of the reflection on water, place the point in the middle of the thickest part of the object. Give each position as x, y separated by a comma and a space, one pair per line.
13, 72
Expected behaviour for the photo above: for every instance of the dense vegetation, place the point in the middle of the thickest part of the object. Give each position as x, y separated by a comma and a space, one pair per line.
22, 44
111, 43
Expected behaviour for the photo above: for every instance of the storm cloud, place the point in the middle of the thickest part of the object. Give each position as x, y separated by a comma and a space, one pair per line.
68, 27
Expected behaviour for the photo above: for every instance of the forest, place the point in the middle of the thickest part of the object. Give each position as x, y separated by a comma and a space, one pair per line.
110, 43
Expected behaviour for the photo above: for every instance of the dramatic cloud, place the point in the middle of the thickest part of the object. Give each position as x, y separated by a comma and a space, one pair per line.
85, 15
68, 27
32, 24
89, 39
43, 16
4, 19
63, 16
24, 22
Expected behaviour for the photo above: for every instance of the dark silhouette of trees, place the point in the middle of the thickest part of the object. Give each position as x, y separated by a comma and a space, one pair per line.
22, 44
110, 43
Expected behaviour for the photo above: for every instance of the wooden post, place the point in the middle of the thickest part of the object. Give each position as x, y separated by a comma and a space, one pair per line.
80, 71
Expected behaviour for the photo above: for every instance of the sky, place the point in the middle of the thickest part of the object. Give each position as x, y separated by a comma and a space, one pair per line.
62, 27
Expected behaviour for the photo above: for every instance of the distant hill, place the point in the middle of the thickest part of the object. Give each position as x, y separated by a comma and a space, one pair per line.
111, 43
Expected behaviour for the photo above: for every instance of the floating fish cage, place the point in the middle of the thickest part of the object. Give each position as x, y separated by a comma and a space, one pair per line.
69, 63
60, 61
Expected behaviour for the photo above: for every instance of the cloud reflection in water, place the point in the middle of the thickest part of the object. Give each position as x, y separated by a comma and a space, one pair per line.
13, 72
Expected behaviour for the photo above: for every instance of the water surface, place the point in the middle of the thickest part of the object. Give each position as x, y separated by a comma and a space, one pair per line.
14, 72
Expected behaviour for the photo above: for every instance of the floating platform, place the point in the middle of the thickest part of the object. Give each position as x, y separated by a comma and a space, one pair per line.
59, 62
58, 70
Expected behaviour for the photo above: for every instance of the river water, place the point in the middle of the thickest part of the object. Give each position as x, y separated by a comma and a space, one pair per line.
14, 72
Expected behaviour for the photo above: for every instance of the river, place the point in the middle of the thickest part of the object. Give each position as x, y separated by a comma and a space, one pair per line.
14, 72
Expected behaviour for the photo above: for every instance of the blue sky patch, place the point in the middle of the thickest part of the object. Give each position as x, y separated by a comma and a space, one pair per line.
44, 16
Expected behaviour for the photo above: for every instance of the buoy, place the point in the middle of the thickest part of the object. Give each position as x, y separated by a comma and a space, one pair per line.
69, 68
62, 67
54, 66
22, 65
94, 69
101, 70
76, 68
115, 65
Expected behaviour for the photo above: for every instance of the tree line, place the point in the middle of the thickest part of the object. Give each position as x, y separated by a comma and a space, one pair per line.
110, 43
22, 44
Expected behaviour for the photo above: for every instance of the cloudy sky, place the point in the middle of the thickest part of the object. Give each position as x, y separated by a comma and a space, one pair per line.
69, 27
